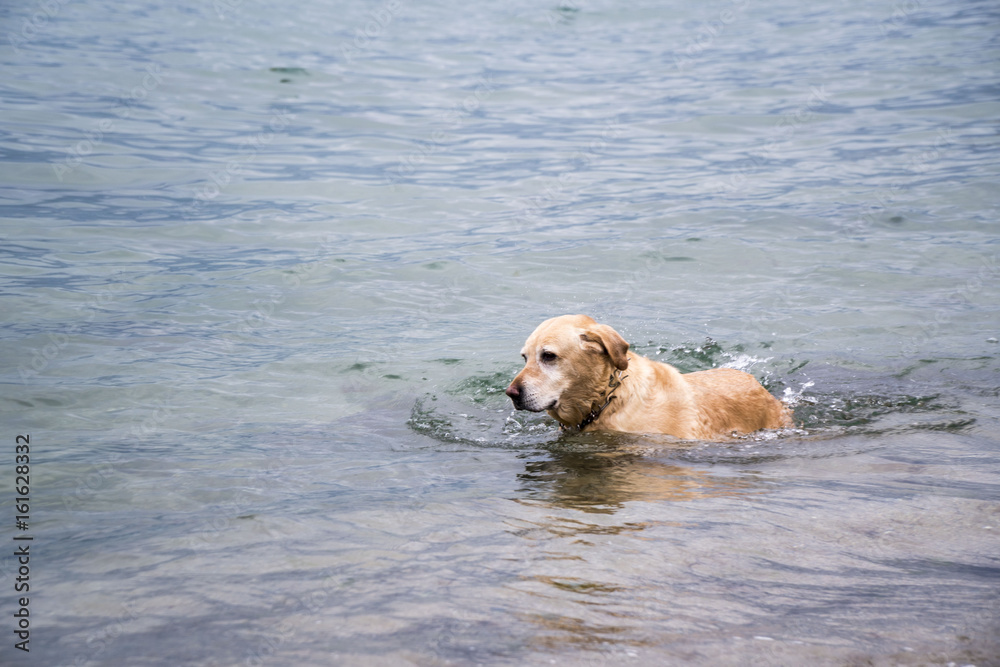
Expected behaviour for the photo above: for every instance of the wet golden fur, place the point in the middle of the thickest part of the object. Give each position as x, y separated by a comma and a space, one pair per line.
569, 361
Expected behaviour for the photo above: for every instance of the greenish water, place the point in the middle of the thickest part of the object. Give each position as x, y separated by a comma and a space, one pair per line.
267, 271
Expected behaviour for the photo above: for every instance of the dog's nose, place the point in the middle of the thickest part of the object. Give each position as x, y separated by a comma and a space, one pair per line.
513, 391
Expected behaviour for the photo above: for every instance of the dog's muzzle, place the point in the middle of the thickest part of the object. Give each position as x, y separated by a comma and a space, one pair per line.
526, 399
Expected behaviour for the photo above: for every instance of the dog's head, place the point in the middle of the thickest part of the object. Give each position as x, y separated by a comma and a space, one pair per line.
568, 361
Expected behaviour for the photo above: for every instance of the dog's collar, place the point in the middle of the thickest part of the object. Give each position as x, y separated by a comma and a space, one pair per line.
613, 384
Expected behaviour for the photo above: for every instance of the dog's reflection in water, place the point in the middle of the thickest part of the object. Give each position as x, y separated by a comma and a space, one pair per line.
603, 482
566, 544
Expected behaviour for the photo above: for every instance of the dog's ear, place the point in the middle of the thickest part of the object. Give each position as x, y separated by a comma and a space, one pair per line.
611, 343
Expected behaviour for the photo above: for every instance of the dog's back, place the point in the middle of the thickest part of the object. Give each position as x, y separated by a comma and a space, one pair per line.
730, 400
656, 397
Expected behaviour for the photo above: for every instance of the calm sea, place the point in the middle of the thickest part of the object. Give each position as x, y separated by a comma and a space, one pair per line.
267, 269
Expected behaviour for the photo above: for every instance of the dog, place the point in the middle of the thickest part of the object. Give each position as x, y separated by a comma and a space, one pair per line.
584, 376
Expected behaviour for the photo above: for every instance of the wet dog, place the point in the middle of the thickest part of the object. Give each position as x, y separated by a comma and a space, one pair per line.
583, 374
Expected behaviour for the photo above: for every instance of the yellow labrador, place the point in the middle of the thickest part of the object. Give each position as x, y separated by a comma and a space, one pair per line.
584, 376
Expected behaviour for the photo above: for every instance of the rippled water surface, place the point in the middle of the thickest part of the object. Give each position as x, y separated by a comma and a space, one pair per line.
268, 268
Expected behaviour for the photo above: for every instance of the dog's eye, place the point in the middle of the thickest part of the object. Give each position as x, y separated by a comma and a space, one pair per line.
548, 357
524, 356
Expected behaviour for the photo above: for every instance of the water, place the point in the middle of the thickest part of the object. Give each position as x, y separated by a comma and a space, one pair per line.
268, 269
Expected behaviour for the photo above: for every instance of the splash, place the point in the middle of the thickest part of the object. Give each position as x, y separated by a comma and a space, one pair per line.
793, 398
